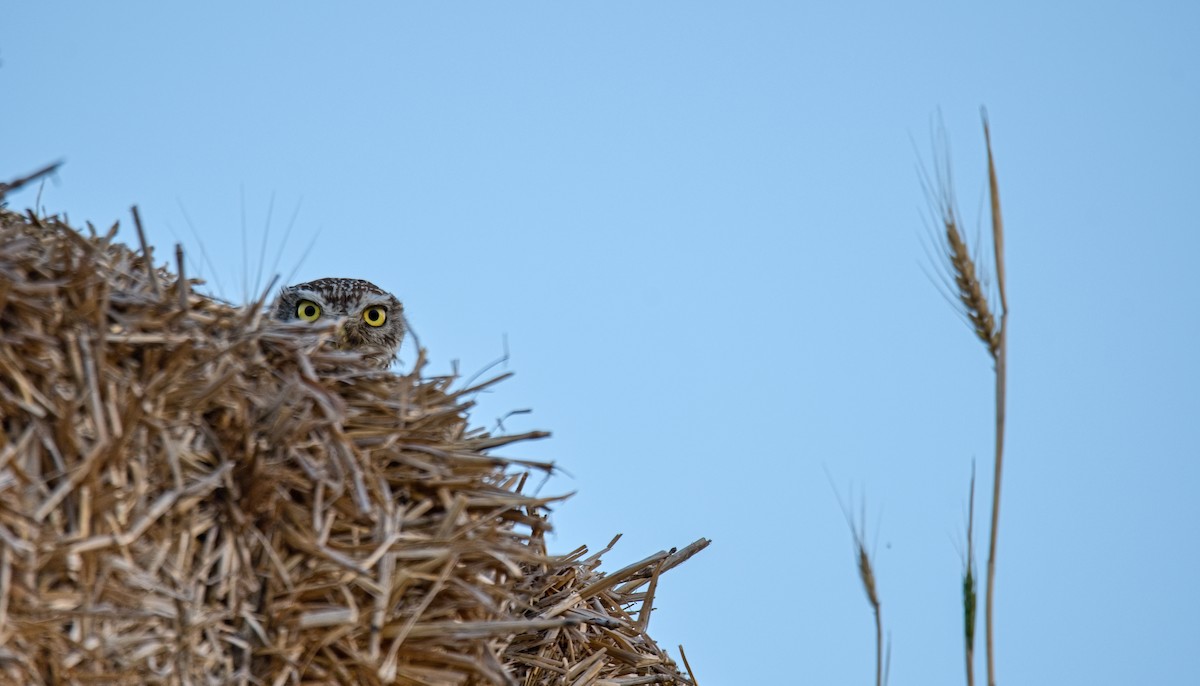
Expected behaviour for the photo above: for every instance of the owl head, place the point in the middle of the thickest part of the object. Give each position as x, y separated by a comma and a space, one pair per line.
371, 319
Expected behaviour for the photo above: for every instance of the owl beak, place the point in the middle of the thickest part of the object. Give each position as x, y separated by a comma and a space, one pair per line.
348, 336
342, 333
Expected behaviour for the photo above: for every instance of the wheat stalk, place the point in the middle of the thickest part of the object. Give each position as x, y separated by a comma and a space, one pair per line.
978, 311
1001, 356
866, 574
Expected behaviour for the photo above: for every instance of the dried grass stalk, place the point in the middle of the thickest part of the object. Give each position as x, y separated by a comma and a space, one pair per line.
866, 575
191, 494
978, 311
1001, 354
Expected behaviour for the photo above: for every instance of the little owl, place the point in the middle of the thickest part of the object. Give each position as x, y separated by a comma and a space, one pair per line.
372, 319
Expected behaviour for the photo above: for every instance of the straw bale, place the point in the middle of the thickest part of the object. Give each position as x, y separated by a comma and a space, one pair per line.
193, 494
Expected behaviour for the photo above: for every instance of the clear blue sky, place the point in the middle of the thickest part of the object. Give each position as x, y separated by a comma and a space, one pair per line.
699, 227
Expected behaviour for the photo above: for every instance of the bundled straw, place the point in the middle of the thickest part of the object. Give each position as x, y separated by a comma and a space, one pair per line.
191, 494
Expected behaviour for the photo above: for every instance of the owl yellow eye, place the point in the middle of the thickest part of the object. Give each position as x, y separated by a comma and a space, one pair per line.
308, 310
375, 315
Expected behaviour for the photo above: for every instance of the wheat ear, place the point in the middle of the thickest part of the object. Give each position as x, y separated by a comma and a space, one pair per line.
966, 280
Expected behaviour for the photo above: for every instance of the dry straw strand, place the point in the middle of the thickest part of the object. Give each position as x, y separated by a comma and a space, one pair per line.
146, 254
10, 186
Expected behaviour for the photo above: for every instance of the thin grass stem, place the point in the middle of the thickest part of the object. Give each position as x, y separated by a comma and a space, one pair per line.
970, 594
1001, 355
866, 574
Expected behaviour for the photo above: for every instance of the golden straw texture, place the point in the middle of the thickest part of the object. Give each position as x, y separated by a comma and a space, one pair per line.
190, 493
